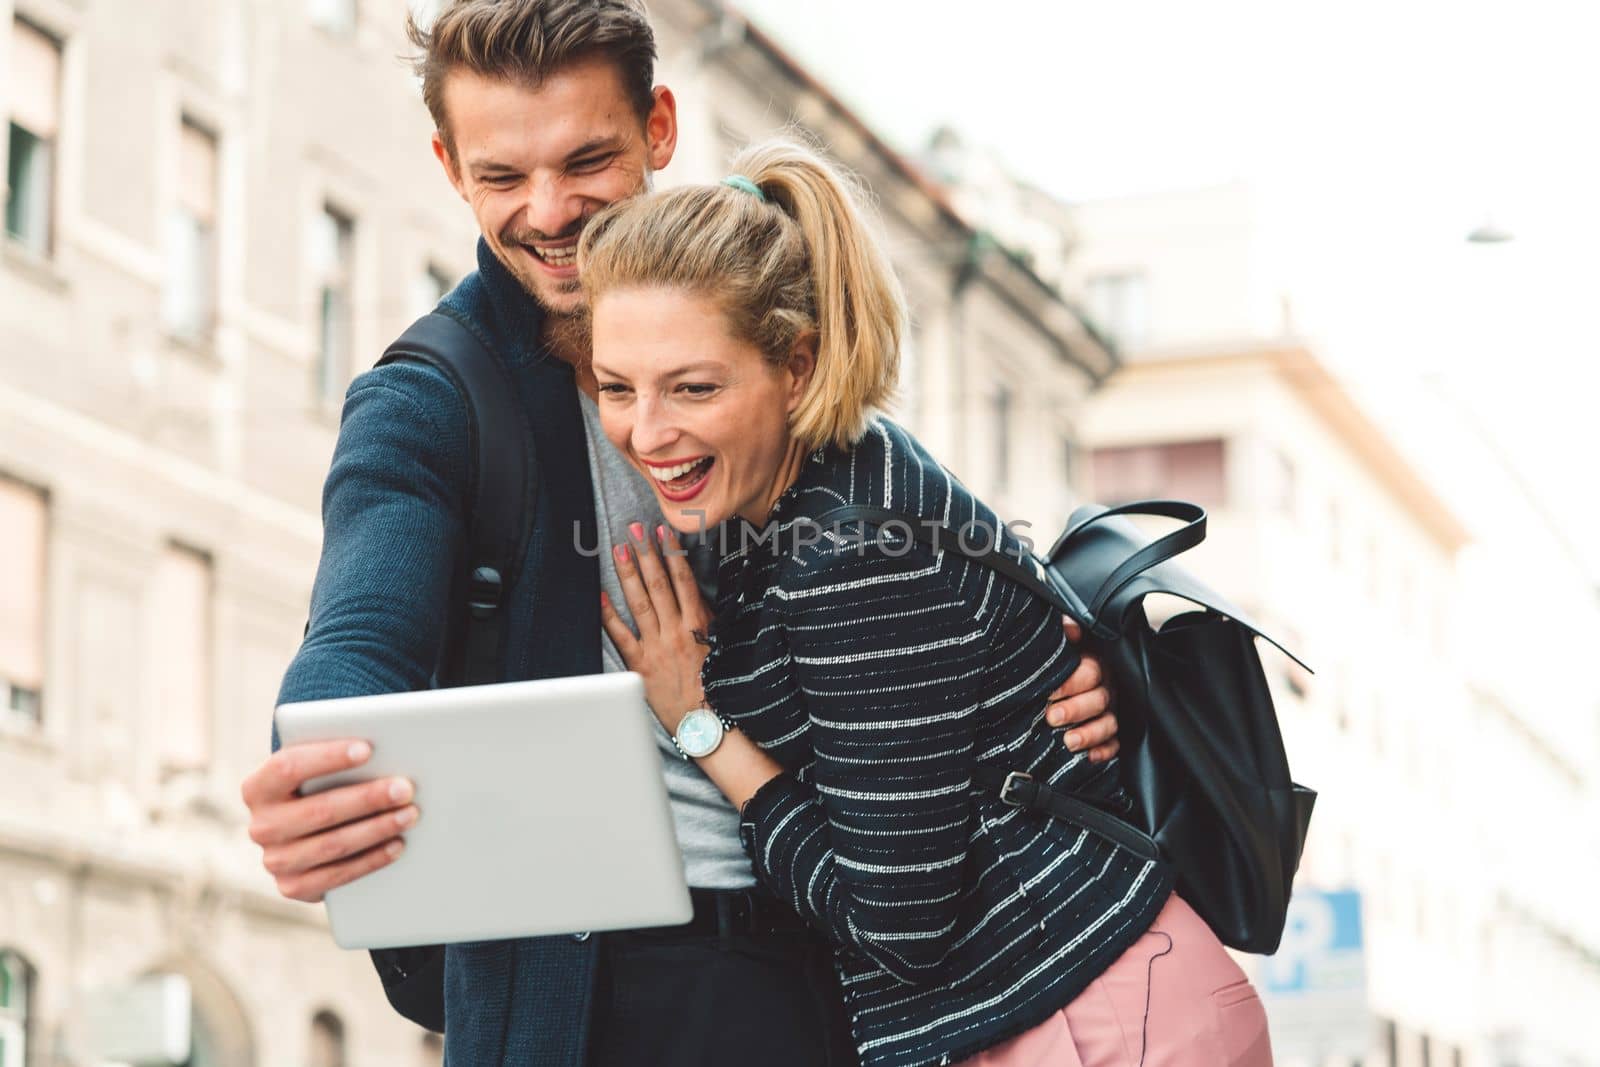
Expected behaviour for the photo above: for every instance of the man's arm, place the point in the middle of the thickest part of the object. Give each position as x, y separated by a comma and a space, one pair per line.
392, 527
392, 522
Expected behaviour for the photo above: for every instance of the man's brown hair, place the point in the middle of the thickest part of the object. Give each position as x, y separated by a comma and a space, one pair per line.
526, 41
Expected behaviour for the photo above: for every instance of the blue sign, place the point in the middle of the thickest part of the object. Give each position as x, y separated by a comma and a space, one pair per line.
1322, 946
1315, 987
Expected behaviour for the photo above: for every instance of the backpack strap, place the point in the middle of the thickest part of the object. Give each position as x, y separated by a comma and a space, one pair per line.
502, 490
1185, 537
503, 482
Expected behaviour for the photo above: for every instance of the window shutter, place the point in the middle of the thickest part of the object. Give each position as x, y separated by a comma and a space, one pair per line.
35, 81
22, 559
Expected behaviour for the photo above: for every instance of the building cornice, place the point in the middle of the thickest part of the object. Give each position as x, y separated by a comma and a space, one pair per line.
1325, 395
192, 874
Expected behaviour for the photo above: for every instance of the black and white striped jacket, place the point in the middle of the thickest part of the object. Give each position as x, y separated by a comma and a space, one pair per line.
878, 671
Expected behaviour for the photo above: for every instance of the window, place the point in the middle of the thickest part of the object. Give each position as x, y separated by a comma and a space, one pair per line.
1335, 533
22, 575
333, 252
1374, 568
189, 302
335, 16
908, 407
429, 288
1120, 305
1191, 470
1002, 407
1382, 901
327, 1040
16, 987
1280, 489
35, 90
183, 670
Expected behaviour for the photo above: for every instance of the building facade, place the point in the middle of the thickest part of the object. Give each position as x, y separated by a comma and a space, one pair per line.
217, 213
1442, 764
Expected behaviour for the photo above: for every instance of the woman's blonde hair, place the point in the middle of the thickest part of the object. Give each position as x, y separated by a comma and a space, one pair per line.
801, 258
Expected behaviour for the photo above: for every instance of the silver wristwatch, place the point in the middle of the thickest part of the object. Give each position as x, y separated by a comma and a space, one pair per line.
699, 733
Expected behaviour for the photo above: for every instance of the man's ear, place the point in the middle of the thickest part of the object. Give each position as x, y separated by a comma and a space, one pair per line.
801, 367
661, 128
447, 160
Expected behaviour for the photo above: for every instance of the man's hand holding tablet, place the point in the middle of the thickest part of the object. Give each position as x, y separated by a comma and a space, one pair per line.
548, 812
311, 844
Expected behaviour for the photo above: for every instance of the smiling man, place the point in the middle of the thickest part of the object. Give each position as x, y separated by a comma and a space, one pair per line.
535, 164
545, 112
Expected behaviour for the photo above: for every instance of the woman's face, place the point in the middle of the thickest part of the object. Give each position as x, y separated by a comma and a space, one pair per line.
702, 414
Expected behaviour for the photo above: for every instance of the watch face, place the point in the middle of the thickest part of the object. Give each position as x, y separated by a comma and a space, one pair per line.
699, 732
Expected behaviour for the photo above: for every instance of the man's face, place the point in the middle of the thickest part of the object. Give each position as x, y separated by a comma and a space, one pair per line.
535, 164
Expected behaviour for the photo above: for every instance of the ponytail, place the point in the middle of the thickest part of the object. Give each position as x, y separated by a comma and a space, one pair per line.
857, 302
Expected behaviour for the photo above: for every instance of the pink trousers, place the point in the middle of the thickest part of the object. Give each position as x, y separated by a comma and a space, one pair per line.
1202, 1011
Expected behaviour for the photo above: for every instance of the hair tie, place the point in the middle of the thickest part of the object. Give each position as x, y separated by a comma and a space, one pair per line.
739, 181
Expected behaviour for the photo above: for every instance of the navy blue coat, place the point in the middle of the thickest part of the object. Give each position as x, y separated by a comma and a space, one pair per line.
393, 513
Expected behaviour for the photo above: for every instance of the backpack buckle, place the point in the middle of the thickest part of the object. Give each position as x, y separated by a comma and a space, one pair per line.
485, 591
1012, 778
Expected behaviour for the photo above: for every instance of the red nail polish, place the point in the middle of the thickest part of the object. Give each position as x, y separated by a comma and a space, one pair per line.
637, 529
661, 534
621, 552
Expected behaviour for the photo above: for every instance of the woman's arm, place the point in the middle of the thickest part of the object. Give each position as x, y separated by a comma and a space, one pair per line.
891, 664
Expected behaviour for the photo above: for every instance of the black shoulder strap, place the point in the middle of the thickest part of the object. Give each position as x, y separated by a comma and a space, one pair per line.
503, 481
502, 491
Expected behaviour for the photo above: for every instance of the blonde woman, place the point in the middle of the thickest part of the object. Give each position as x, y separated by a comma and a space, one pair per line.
844, 688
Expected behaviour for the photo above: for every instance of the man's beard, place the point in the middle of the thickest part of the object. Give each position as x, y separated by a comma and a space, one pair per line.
565, 327
571, 287
568, 331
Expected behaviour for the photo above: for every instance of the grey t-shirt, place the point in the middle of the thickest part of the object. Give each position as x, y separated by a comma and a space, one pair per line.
707, 825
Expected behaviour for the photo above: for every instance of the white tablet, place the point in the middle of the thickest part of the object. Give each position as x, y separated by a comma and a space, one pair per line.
543, 811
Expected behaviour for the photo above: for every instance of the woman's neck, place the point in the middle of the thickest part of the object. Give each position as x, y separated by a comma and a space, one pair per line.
787, 474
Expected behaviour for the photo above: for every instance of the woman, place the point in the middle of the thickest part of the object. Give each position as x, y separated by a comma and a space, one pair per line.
848, 685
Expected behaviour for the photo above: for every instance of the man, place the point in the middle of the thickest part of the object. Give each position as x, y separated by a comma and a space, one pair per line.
545, 112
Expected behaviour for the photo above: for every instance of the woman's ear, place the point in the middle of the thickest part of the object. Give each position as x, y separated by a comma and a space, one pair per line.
801, 367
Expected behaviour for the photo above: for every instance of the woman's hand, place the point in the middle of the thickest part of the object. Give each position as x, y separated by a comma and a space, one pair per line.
1084, 703
668, 611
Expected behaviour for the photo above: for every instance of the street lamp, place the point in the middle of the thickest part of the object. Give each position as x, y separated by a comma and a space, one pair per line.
1490, 234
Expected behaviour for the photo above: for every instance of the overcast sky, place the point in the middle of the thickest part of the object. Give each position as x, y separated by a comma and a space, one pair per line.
1377, 135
